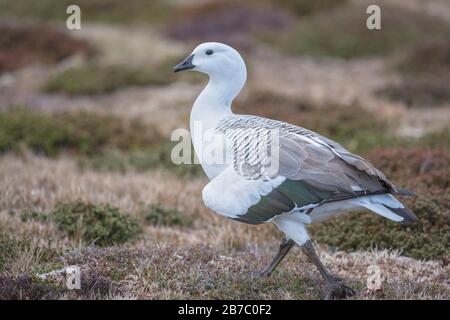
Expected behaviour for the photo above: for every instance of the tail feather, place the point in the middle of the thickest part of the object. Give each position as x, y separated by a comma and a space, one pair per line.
389, 207
404, 192
407, 215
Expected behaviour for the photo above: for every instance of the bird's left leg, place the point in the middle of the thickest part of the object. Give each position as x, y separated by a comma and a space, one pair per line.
285, 247
335, 286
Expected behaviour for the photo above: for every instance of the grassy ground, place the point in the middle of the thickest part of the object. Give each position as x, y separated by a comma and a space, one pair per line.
85, 172
339, 33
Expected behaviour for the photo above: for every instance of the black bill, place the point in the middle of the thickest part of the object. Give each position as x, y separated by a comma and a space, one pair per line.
186, 64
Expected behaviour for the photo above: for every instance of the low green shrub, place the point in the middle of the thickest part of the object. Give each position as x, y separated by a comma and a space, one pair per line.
103, 225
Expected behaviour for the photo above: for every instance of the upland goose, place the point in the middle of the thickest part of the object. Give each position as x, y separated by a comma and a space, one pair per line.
263, 170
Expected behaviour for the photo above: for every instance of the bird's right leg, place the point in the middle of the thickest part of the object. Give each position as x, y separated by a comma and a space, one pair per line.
285, 246
335, 286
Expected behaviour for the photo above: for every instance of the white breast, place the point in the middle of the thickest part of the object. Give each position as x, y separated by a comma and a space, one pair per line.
231, 195
214, 153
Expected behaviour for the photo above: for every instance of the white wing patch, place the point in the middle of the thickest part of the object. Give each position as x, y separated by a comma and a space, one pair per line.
231, 195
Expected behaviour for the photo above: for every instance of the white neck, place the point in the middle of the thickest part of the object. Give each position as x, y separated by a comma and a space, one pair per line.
211, 106
214, 102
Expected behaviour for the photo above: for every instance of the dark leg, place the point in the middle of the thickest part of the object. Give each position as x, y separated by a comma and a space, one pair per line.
335, 286
285, 246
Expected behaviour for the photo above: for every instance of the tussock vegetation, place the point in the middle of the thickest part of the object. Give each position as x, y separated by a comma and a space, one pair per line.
80, 132
342, 33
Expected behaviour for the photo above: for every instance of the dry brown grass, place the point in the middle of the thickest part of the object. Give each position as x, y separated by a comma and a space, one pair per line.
163, 271
211, 259
39, 184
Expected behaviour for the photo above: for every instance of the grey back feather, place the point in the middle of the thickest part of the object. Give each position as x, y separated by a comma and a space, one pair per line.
300, 154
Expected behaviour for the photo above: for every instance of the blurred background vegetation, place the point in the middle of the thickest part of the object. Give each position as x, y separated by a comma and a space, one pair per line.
101, 102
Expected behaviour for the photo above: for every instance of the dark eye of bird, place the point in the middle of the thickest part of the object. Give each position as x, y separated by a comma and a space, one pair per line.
209, 52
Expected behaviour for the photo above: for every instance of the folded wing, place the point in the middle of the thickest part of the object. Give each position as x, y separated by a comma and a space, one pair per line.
309, 169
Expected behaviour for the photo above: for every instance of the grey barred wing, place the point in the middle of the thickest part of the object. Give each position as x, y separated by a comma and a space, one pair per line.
264, 148
315, 168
